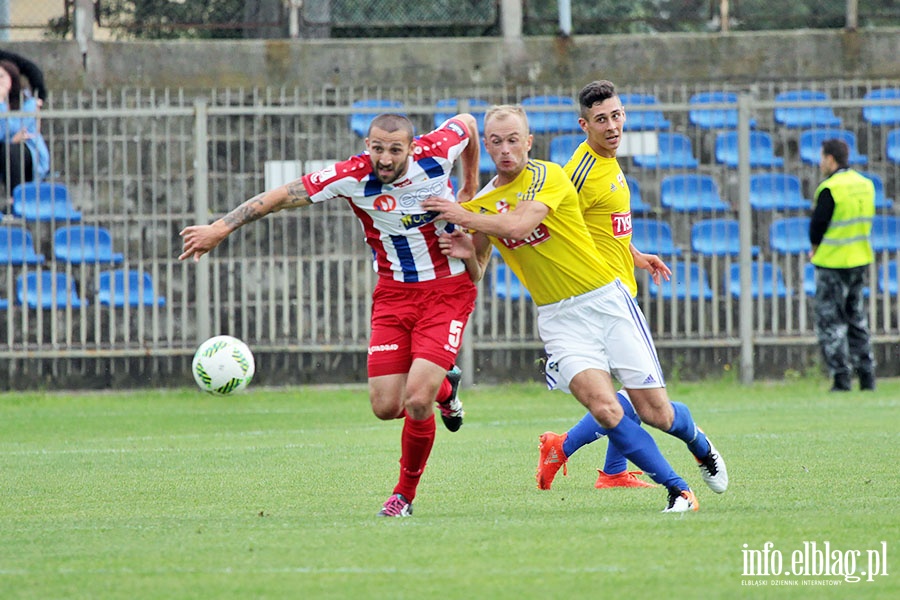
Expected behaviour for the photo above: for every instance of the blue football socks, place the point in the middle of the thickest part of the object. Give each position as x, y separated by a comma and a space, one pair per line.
684, 428
639, 447
615, 461
587, 430
630, 439
584, 432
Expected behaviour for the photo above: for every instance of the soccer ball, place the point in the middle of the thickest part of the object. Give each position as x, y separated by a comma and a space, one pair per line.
223, 365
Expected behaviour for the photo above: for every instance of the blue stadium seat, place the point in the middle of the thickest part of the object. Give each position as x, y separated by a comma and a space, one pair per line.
811, 145
766, 280
4, 304
653, 237
718, 237
449, 107
809, 281
643, 120
485, 162
674, 152
506, 284
882, 115
691, 193
36, 290
887, 278
762, 150
638, 205
84, 244
777, 191
881, 202
715, 118
803, 117
563, 146
113, 286
892, 146
558, 121
17, 247
43, 201
359, 122
689, 280
790, 235
885, 233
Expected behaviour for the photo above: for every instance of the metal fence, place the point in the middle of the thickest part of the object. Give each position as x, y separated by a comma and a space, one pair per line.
296, 286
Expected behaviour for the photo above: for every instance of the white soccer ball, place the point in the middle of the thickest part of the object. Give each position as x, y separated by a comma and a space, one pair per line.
223, 365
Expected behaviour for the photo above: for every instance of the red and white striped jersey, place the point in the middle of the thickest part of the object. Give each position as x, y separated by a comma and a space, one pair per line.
403, 236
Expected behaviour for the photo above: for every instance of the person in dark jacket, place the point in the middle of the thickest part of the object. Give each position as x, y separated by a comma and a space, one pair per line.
839, 231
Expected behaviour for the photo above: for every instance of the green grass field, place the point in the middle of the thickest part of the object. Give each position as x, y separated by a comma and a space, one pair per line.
272, 494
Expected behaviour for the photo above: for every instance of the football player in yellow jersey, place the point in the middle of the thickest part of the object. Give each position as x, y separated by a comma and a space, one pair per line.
606, 205
587, 318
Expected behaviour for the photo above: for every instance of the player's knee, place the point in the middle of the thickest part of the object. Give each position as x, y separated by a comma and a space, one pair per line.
419, 404
386, 408
387, 412
607, 411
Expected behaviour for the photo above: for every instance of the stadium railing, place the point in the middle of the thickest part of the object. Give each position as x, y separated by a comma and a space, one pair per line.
298, 284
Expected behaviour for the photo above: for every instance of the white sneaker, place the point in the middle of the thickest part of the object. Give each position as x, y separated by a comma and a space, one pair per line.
681, 501
713, 471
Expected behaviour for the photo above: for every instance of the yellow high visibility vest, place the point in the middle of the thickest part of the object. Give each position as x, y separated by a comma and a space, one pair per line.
846, 242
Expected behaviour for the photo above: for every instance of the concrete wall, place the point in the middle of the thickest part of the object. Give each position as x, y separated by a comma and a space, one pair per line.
472, 62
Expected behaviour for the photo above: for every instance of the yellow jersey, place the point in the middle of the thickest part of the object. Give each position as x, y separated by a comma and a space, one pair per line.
606, 205
558, 260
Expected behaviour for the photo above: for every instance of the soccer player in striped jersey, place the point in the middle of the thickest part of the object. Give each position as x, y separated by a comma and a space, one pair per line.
587, 317
606, 205
423, 298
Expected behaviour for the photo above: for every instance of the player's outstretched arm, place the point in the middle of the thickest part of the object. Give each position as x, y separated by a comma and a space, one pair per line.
200, 239
652, 264
515, 225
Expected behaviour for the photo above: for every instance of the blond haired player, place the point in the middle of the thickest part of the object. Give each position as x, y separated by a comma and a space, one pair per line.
586, 316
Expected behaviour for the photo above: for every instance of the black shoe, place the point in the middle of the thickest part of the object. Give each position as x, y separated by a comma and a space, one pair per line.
866, 381
452, 409
841, 383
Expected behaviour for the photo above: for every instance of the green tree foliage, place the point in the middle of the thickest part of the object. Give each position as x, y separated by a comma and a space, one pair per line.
199, 19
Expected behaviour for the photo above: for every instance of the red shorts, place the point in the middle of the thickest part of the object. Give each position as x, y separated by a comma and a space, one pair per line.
418, 320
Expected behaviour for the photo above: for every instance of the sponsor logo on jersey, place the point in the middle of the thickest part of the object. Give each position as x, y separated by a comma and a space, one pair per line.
385, 203
414, 197
452, 126
320, 177
621, 224
540, 235
414, 221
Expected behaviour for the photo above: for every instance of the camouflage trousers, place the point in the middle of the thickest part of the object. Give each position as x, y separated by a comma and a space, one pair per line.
842, 323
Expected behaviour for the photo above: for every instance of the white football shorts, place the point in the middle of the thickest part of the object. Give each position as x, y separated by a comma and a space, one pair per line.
602, 329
